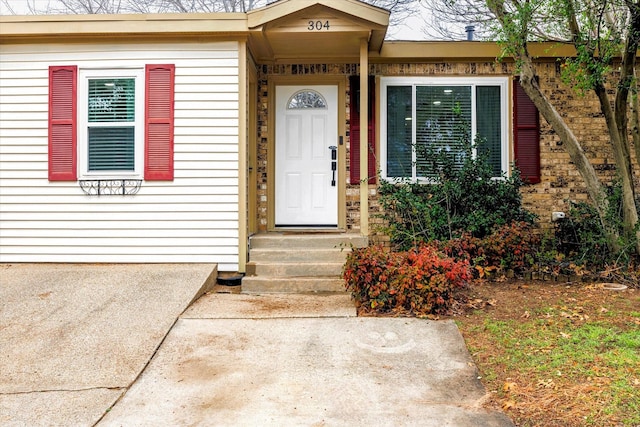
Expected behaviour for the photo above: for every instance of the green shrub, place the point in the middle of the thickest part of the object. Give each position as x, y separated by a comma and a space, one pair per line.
418, 281
581, 237
462, 197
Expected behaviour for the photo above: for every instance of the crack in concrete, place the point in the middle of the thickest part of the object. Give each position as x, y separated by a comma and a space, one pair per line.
18, 393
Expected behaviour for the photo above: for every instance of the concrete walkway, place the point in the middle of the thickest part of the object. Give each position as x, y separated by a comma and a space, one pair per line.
74, 340
304, 360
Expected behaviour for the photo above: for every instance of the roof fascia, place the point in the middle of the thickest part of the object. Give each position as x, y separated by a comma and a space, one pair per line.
13, 28
443, 51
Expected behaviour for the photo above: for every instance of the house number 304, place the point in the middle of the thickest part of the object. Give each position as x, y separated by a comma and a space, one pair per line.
318, 25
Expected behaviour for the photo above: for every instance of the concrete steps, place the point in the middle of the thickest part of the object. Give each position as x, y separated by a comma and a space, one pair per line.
298, 263
298, 255
288, 269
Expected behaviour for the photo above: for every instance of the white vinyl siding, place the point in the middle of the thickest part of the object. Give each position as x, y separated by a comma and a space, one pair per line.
192, 219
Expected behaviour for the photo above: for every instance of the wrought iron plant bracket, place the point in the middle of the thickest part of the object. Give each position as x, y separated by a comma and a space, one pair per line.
110, 187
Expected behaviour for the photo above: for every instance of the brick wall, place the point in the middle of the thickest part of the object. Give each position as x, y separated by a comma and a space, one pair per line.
560, 180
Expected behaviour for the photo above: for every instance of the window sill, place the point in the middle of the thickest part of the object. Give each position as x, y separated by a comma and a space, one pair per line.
110, 187
428, 181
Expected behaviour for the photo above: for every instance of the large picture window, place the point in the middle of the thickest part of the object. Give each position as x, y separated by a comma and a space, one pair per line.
424, 116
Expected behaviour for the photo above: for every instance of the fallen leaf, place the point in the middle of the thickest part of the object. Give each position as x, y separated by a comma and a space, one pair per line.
546, 383
492, 302
509, 404
508, 386
475, 303
526, 315
564, 335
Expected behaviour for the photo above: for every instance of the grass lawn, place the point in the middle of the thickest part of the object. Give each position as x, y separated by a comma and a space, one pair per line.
555, 354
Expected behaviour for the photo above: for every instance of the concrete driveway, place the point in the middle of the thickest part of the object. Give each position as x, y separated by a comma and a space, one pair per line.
73, 338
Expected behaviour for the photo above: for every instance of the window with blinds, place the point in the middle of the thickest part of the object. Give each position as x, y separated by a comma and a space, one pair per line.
428, 119
488, 126
443, 120
111, 124
399, 132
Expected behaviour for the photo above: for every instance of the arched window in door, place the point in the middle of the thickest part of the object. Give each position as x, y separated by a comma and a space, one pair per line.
306, 99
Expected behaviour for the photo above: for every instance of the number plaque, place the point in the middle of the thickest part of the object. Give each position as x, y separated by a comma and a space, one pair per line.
318, 25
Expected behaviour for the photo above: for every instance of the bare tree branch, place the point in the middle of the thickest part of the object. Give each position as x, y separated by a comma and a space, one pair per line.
9, 7
400, 9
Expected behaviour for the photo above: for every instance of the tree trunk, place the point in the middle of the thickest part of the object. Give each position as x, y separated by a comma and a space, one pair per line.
594, 187
619, 142
517, 46
618, 124
635, 123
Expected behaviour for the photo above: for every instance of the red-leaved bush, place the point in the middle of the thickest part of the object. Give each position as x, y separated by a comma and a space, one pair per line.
418, 281
509, 247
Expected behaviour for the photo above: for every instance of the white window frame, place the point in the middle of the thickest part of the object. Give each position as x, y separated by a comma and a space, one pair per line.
385, 82
83, 122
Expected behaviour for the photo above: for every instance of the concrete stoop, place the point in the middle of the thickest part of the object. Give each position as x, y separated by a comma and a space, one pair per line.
296, 263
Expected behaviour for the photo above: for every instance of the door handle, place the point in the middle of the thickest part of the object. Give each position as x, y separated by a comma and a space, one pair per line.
334, 163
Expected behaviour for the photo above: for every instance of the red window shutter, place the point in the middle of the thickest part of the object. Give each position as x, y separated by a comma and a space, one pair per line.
526, 135
354, 130
63, 123
158, 139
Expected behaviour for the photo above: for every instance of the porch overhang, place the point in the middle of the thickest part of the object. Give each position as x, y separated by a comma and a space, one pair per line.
315, 31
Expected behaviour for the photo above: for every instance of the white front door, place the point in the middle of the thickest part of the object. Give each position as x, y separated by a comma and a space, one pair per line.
306, 192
